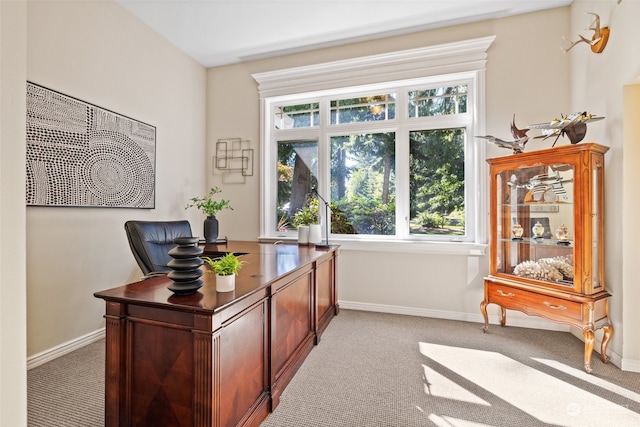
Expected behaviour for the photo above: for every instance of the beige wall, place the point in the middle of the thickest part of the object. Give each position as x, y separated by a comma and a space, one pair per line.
527, 74
100, 53
13, 305
597, 82
630, 223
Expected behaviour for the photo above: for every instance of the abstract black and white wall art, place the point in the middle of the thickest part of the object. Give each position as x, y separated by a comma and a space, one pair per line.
79, 154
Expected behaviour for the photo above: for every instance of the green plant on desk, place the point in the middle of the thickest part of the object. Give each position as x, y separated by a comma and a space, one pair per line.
226, 265
208, 205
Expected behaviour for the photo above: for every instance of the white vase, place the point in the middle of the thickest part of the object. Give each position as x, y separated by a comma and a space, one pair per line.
225, 283
538, 230
315, 234
303, 235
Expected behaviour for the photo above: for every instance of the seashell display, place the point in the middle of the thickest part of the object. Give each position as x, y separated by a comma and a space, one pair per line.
548, 269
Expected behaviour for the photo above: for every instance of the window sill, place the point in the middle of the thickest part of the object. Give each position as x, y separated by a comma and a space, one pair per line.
407, 246
441, 248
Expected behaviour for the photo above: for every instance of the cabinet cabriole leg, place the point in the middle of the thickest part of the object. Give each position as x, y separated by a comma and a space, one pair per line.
483, 310
589, 340
503, 316
608, 333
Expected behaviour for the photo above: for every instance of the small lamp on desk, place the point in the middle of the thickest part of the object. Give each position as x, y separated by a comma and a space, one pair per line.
324, 245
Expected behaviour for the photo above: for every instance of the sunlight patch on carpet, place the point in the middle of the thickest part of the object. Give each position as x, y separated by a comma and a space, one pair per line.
582, 375
538, 394
442, 421
438, 385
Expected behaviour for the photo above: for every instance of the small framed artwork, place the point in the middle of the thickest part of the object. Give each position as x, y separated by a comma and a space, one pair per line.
233, 160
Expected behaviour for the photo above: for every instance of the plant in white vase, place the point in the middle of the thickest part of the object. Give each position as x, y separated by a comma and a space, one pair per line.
304, 218
225, 268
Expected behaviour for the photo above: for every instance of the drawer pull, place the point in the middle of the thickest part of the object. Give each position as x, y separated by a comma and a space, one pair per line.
555, 307
501, 292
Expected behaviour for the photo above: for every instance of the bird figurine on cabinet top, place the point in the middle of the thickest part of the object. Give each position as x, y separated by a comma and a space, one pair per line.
573, 126
517, 145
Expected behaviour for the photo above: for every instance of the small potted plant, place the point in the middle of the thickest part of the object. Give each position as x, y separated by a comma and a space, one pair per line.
225, 268
210, 208
304, 219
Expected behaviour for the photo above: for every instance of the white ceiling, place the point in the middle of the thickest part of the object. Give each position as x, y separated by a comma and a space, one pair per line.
220, 32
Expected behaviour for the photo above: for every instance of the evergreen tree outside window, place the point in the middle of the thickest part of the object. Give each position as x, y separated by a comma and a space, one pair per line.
362, 164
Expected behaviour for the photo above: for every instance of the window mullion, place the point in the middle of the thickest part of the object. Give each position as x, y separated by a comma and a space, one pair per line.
324, 161
402, 166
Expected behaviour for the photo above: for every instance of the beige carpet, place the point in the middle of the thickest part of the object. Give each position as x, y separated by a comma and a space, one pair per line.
389, 370
68, 391
376, 370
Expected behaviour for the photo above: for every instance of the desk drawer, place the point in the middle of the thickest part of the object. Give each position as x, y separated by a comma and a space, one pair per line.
534, 303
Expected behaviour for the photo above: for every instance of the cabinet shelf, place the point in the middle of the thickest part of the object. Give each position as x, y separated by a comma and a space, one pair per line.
539, 242
534, 205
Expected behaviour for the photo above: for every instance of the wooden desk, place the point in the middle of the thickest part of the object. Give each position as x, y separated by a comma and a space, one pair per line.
216, 359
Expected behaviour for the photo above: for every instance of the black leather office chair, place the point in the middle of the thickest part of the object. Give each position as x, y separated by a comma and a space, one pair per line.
150, 242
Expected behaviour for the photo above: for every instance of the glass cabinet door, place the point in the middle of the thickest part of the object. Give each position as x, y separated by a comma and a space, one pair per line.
535, 223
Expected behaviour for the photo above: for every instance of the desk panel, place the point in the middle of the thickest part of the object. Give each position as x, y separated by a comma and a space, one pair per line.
292, 334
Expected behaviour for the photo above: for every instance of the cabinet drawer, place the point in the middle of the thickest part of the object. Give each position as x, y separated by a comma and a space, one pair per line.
534, 303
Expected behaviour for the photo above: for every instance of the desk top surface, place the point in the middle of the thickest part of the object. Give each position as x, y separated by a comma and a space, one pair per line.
265, 263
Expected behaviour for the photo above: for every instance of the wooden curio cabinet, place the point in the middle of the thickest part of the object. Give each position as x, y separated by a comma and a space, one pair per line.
547, 240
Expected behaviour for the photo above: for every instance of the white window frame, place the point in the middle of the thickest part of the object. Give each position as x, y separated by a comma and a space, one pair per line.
461, 61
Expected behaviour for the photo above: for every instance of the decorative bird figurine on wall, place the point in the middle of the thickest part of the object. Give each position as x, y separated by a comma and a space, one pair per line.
598, 40
573, 126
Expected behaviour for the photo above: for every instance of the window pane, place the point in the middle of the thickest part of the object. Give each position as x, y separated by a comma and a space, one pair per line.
438, 101
297, 116
297, 175
363, 109
436, 167
363, 184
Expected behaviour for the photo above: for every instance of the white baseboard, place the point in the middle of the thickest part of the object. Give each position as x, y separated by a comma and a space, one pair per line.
62, 349
629, 365
523, 322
